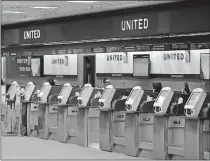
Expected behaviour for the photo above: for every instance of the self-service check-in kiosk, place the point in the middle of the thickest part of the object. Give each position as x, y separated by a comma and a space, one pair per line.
51, 113
122, 136
67, 114
85, 117
10, 121
168, 120
93, 118
112, 119
26, 96
197, 126
56, 101
105, 118
38, 111
139, 123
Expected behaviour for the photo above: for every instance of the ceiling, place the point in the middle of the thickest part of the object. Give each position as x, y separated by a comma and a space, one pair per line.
22, 11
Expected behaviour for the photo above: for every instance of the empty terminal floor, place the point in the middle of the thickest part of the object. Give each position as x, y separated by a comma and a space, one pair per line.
35, 148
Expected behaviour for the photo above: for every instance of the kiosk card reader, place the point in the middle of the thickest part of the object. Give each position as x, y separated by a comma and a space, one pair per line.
163, 100
106, 97
44, 92
64, 94
134, 99
28, 91
11, 93
85, 95
195, 103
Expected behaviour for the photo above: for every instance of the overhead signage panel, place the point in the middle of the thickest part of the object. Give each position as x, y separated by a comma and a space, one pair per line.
31, 35
114, 63
60, 65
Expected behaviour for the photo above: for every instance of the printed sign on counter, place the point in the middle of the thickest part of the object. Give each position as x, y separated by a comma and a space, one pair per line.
141, 65
60, 65
36, 67
24, 66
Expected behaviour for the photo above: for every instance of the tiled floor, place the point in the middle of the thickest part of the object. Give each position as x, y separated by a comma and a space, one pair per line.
35, 148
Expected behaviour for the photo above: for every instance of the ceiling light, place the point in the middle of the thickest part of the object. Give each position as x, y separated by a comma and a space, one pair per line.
15, 12
44, 7
82, 1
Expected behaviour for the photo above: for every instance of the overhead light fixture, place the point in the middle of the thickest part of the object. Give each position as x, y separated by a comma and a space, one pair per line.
44, 7
82, 1
15, 12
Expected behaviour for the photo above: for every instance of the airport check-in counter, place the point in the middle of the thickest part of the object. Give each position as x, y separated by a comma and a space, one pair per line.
51, 113
42, 106
87, 116
10, 96
111, 118
67, 114
36, 113
32, 113
122, 137
197, 126
139, 123
26, 96
93, 118
169, 111
57, 97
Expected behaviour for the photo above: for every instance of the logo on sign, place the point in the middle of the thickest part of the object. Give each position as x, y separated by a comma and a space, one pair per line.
114, 57
32, 34
117, 57
63, 61
136, 24
177, 56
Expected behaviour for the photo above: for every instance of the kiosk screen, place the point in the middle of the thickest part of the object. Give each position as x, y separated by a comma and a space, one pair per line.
162, 96
106, 93
43, 88
193, 98
85, 89
62, 90
133, 94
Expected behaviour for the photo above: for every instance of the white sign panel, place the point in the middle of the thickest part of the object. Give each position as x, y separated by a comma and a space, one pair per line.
205, 66
111, 63
174, 62
60, 64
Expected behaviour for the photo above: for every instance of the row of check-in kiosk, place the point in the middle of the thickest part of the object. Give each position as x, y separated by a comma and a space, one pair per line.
159, 124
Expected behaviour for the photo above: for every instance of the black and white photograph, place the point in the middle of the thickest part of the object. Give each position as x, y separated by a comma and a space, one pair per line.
105, 80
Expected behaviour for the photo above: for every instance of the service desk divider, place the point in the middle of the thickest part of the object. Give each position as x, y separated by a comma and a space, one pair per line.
105, 130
